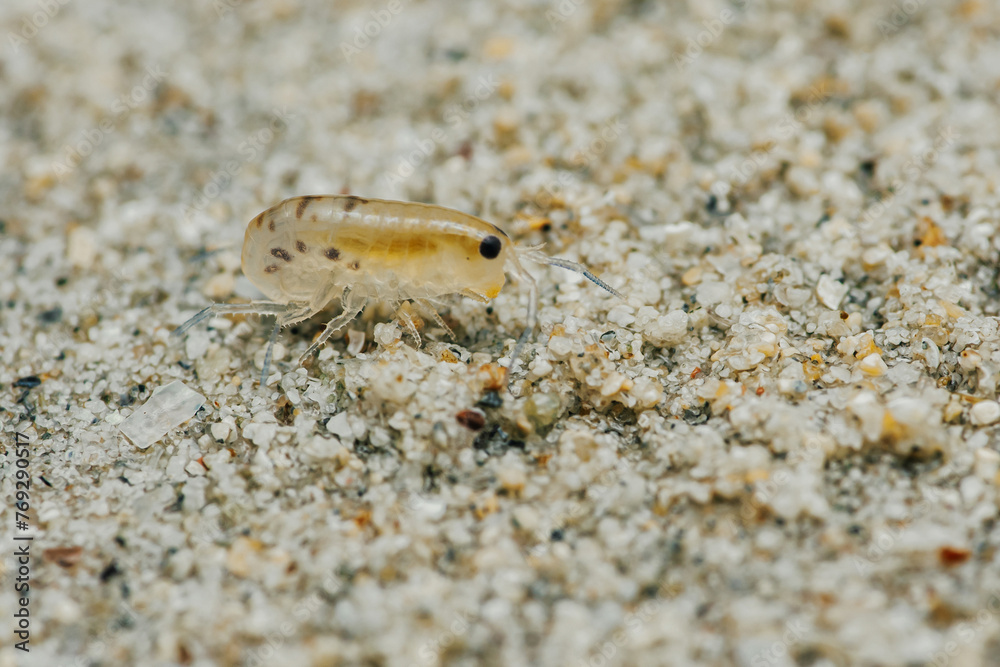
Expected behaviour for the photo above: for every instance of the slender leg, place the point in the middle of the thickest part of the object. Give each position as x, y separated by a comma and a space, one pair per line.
475, 296
530, 326
270, 351
285, 313
296, 315
256, 308
428, 308
353, 304
406, 317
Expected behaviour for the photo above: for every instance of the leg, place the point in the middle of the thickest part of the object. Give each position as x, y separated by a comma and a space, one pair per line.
299, 314
270, 350
353, 304
284, 313
529, 326
428, 308
257, 308
475, 296
292, 316
406, 317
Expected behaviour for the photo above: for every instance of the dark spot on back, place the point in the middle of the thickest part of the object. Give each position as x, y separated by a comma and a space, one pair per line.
352, 203
490, 247
304, 202
301, 247
332, 253
355, 265
281, 253
301, 207
259, 220
270, 268
270, 224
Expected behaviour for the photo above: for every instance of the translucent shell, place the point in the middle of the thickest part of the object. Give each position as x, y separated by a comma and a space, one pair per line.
307, 251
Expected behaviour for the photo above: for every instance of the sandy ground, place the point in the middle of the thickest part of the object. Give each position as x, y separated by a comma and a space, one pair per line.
782, 450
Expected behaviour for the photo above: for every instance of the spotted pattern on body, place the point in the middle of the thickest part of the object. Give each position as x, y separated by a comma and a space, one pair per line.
301, 247
303, 204
281, 253
352, 203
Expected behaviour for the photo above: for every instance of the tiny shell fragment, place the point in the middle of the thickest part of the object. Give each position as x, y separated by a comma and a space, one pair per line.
63, 556
873, 365
166, 409
473, 420
830, 292
985, 413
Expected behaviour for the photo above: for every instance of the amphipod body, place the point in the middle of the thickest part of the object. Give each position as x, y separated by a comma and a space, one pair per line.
308, 250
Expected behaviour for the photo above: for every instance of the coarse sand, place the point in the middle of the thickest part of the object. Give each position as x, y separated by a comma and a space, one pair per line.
782, 449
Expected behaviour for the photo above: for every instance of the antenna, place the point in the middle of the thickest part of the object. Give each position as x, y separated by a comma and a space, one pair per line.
535, 255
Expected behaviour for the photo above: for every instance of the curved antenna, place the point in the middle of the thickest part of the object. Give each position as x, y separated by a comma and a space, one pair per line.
535, 255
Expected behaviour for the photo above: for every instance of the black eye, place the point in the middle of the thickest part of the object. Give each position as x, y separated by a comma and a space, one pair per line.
490, 247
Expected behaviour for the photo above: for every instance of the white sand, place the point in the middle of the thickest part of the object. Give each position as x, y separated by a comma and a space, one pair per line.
781, 451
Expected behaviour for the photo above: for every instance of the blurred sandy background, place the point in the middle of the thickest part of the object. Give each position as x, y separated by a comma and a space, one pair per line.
782, 451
